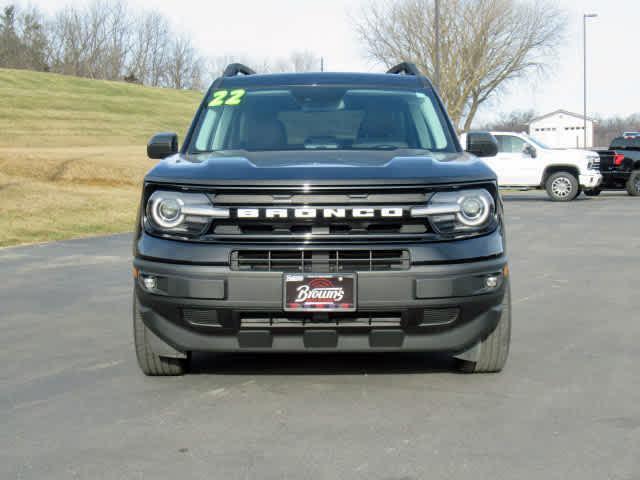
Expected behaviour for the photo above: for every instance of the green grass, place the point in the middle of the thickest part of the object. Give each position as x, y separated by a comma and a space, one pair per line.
77, 146
45, 110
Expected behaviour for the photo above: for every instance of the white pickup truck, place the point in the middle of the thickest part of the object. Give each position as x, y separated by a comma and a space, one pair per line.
524, 162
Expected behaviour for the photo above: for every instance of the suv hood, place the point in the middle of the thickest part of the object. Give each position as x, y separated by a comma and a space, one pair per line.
321, 167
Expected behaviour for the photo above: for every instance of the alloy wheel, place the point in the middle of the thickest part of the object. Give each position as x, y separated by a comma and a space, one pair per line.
561, 187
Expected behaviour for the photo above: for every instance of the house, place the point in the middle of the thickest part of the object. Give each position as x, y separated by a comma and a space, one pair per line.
562, 129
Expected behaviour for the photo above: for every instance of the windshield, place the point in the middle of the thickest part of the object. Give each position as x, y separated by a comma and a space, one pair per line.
537, 142
320, 117
629, 143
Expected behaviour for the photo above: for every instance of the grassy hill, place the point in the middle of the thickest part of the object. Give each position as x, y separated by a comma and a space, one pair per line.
72, 152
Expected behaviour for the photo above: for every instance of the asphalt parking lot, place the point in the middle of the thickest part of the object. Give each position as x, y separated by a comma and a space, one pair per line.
73, 403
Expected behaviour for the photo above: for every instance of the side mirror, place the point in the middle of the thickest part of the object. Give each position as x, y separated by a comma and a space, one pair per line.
482, 144
531, 151
162, 145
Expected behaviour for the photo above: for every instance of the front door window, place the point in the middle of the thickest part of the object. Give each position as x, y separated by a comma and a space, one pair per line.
510, 144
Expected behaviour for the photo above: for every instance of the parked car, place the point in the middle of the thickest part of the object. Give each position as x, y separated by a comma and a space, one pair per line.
525, 162
320, 212
620, 165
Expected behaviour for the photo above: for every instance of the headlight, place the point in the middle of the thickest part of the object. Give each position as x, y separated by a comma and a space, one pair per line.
461, 211
167, 212
183, 214
593, 162
475, 208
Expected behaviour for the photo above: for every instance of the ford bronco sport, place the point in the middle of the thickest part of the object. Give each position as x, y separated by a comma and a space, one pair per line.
324, 212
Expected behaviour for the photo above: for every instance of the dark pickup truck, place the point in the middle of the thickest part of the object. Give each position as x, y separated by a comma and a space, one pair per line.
620, 166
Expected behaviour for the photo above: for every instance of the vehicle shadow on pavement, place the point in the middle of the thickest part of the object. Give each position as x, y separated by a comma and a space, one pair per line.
514, 197
538, 197
320, 363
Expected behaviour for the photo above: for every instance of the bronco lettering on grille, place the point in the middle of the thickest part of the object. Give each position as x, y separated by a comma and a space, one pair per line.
312, 212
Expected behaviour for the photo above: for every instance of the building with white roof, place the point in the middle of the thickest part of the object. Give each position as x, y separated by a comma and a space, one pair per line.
562, 129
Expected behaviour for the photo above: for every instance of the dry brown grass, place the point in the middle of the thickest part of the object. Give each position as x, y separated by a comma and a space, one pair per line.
50, 194
72, 152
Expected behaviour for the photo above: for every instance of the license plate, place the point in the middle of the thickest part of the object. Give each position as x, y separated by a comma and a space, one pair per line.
319, 292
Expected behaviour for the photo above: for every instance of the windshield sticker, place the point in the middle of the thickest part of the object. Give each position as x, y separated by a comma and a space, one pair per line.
226, 97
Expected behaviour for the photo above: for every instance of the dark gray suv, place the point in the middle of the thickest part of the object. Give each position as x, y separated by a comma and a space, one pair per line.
322, 212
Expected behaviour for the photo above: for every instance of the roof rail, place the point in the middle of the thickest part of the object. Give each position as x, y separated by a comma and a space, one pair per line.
234, 69
407, 68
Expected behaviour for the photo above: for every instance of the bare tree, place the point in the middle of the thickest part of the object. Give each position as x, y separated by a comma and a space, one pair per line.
305, 61
119, 41
214, 66
297, 61
150, 45
93, 41
180, 62
79, 40
104, 39
278, 65
609, 128
198, 79
516, 121
484, 43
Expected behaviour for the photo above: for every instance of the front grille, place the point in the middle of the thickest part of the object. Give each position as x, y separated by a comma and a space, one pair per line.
335, 320
299, 230
321, 228
327, 261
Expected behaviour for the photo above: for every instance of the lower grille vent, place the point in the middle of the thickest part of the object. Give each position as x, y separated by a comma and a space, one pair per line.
439, 316
203, 317
292, 321
319, 260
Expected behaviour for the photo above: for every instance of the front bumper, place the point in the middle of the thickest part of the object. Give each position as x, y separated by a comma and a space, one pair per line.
591, 180
213, 308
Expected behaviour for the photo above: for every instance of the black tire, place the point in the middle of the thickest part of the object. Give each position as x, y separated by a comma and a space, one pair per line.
494, 349
150, 363
633, 184
562, 186
593, 193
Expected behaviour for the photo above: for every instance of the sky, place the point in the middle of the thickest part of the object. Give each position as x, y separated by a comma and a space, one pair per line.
274, 28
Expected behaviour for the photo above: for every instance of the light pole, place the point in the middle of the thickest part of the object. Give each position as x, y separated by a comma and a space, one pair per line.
584, 44
437, 46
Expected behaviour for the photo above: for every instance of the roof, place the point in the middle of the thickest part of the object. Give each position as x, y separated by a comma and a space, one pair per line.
556, 112
324, 78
